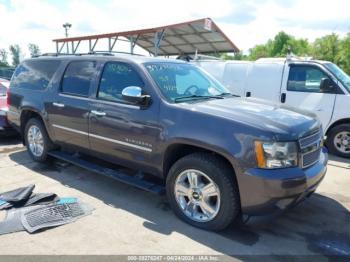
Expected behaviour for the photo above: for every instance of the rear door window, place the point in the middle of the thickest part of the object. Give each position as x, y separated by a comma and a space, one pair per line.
78, 77
115, 77
34, 74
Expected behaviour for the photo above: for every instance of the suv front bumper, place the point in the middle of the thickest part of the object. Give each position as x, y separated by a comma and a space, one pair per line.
268, 192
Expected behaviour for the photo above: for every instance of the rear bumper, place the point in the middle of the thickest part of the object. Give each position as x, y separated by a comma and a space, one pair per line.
273, 191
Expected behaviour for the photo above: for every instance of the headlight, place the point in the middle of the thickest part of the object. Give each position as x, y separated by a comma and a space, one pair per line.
276, 154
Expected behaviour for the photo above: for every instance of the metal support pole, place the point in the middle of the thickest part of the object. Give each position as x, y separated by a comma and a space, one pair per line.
76, 47
131, 45
57, 49
89, 45
93, 47
61, 48
158, 36
114, 42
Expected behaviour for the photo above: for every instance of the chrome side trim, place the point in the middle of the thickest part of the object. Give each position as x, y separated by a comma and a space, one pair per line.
104, 138
71, 130
114, 103
121, 142
73, 96
100, 101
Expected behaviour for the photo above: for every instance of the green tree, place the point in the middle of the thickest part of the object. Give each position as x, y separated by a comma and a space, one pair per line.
34, 50
3, 58
235, 56
300, 47
280, 44
344, 54
16, 54
258, 51
327, 48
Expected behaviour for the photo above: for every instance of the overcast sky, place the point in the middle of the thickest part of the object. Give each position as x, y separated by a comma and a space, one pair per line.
246, 22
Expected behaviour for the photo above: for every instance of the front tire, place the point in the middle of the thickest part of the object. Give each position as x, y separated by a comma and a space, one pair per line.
202, 191
37, 140
338, 140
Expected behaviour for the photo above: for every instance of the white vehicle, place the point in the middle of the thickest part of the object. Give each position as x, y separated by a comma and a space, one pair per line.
318, 86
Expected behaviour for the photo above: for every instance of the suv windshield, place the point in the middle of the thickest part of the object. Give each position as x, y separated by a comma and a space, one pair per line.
340, 74
183, 82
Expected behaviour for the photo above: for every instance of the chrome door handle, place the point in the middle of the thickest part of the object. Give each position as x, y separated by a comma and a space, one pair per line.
58, 104
98, 113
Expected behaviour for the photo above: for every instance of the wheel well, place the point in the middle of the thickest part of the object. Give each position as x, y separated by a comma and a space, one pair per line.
339, 122
25, 116
177, 151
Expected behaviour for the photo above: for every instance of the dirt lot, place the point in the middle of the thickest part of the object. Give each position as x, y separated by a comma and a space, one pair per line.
130, 221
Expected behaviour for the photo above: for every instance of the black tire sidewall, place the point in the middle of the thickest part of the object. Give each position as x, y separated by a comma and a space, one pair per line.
222, 177
36, 122
330, 139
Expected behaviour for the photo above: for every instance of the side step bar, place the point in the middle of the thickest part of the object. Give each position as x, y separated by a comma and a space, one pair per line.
117, 175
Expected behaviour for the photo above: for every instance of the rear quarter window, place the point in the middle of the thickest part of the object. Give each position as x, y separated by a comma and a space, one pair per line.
34, 75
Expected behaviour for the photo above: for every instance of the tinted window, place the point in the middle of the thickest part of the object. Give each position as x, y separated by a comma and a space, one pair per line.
305, 79
34, 75
115, 77
78, 77
6, 73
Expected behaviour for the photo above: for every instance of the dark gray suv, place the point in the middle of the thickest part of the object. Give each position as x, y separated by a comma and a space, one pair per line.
221, 156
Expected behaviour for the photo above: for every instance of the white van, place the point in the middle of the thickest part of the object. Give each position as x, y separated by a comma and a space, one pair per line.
318, 86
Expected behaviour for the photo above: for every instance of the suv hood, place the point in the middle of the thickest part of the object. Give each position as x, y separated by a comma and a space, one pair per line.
285, 122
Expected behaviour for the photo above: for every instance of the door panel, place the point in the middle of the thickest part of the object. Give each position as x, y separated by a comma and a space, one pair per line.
302, 89
69, 118
68, 111
118, 129
264, 81
124, 132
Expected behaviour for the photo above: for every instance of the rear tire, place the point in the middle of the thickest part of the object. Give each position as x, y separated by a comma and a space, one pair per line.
37, 140
338, 140
214, 202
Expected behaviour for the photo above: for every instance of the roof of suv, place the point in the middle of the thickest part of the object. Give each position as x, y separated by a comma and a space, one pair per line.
132, 58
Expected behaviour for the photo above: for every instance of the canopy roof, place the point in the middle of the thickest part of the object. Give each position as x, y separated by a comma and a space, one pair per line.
202, 36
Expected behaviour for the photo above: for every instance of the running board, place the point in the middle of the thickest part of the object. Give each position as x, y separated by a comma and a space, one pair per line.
117, 175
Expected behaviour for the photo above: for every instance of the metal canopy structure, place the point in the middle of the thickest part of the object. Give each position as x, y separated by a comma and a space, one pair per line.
202, 36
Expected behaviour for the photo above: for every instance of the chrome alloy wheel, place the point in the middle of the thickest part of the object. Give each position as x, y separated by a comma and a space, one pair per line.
35, 141
342, 142
197, 195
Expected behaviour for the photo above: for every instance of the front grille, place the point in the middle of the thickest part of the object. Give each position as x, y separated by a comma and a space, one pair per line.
310, 140
308, 159
310, 149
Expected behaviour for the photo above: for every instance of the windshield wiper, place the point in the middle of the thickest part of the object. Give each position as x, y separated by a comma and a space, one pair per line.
228, 94
178, 99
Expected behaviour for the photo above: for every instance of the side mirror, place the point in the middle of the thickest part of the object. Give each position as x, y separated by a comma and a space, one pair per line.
326, 86
133, 94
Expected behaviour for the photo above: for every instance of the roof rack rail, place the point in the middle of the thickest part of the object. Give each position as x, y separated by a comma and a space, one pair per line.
114, 52
198, 57
102, 53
